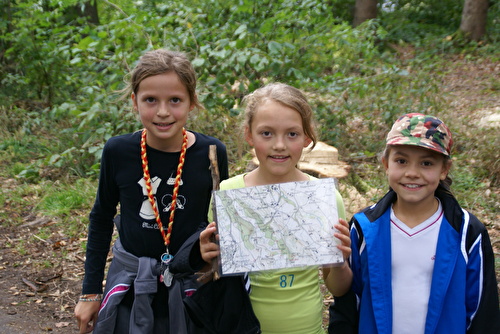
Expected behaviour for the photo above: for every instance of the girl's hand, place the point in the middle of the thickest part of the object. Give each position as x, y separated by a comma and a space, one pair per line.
338, 279
86, 315
344, 237
208, 248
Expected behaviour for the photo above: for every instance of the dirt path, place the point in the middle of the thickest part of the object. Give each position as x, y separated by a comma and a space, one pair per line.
39, 281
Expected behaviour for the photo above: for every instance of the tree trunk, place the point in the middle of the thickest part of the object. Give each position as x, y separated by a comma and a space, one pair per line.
88, 10
364, 10
91, 12
6, 16
474, 17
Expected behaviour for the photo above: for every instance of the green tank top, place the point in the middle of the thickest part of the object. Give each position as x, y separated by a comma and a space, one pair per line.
287, 301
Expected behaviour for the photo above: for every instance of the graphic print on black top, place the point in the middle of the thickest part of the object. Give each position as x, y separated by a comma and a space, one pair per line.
146, 211
146, 208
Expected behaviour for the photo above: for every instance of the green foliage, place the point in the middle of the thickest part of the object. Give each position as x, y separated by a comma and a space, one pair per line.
465, 183
36, 61
493, 26
367, 105
60, 200
430, 22
481, 151
445, 13
74, 68
61, 78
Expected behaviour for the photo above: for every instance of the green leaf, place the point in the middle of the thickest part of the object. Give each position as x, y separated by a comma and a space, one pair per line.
240, 44
198, 62
267, 26
84, 43
274, 47
242, 29
53, 159
255, 59
102, 34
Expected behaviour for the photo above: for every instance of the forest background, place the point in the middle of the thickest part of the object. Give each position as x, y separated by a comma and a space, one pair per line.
62, 65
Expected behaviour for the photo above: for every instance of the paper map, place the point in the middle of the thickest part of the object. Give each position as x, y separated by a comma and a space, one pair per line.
277, 226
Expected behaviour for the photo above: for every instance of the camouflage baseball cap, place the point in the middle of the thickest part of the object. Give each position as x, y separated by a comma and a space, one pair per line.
421, 130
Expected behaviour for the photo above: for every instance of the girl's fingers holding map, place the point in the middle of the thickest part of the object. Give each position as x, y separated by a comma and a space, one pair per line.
344, 237
343, 229
208, 248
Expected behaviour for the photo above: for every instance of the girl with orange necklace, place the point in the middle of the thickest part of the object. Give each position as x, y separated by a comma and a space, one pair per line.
161, 180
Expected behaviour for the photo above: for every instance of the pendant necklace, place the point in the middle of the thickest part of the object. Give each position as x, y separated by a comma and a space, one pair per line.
166, 276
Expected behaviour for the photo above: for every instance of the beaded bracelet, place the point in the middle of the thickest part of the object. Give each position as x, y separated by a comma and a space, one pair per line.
90, 298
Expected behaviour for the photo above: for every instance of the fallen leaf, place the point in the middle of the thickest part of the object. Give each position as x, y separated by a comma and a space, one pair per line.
62, 324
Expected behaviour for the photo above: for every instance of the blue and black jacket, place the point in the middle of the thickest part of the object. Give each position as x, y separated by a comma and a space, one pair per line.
464, 295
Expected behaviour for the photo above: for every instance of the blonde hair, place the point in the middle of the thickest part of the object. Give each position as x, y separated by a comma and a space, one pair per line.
162, 61
286, 95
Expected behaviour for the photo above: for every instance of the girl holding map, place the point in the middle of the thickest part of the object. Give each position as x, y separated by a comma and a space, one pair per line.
278, 124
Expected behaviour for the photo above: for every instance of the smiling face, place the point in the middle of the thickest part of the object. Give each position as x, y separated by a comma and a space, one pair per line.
163, 104
414, 174
277, 134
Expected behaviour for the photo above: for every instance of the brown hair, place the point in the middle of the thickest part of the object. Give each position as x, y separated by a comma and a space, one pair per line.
288, 96
162, 61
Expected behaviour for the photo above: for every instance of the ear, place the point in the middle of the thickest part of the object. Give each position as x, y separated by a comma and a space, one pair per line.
307, 142
385, 163
446, 169
248, 136
134, 101
191, 107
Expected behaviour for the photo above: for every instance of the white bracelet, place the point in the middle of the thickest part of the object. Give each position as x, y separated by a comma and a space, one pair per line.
90, 298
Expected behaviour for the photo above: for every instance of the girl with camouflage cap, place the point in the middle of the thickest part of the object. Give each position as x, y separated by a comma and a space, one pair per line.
421, 263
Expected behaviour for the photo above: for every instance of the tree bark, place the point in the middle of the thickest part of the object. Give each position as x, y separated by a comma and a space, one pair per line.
91, 12
6, 16
88, 10
474, 18
364, 10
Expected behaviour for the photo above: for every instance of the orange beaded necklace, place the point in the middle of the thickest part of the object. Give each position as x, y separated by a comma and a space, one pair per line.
149, 188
